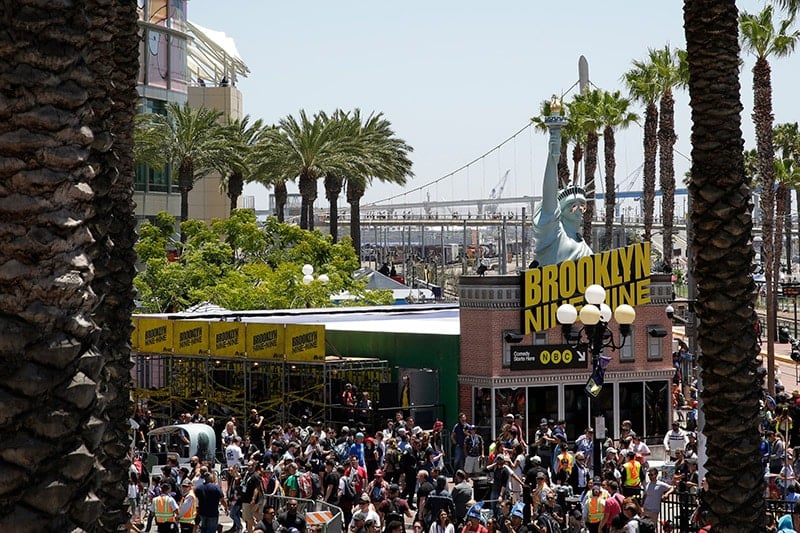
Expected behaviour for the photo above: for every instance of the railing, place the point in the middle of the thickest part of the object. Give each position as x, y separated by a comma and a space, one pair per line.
680, 507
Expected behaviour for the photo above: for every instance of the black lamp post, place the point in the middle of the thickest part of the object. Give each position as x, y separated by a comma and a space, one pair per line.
595, 336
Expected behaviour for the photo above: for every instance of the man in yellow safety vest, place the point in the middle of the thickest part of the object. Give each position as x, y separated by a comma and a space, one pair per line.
594, 509
631, 476
187, 512
165, 509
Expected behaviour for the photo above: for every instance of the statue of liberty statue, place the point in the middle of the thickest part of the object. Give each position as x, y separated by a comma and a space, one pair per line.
558, 219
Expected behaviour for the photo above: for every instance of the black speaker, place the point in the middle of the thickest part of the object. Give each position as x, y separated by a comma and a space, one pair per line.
389, 396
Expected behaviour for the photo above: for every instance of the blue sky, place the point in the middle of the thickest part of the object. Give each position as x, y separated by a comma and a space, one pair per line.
457, 78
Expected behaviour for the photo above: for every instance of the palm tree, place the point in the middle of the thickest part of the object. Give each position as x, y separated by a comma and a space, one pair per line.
670, 73
243, 137
64, 141
641, 83
305, 149
613, 114
334, 181
114, 232
759, 37
189, 140
723, 255
584, 114
384, 156
786, 138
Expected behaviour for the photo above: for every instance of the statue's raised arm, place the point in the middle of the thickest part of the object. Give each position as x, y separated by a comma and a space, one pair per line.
558, 219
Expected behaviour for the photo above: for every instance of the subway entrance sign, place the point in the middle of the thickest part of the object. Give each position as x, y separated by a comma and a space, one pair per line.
547, 357
623, 272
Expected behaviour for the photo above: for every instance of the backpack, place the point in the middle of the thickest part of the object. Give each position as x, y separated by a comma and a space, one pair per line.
349, 490
392, 512
316, 486
306, 485
646, 525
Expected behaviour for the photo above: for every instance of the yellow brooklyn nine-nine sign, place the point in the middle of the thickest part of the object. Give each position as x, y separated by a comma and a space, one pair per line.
305, 342
623, 272
228, 338
265, 341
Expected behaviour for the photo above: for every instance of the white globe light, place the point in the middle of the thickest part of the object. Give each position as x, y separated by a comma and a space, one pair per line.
308, 269
566, 314
605, 313
595, 294
323, 278
625, 314
590, 315
307, 279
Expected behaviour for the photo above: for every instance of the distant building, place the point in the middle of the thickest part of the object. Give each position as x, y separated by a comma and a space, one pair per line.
182, 62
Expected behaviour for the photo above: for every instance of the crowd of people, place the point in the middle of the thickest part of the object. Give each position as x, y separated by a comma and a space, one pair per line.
382, 478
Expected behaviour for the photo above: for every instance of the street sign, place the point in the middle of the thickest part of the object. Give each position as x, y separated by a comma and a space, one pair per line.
547, 357
790, 289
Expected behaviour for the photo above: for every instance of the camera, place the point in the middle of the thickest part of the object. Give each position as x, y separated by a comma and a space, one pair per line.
670, 312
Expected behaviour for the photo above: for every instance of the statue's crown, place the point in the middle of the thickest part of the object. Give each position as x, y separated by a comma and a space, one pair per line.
572, 190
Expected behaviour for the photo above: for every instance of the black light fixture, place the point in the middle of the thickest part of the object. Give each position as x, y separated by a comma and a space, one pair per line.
595, 335
513, 338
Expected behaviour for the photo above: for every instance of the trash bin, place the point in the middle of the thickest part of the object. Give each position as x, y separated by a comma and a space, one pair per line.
481, 488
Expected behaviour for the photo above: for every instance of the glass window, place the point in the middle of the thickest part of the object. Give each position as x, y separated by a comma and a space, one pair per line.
626, 352
576, 410
540, 338
654, 346
542, 403
657, 395
631, 405
140, 180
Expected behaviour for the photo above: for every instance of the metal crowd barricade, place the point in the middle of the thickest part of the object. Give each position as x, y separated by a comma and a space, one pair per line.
320, 516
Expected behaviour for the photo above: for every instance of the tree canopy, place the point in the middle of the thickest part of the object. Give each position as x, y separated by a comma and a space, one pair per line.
239, 263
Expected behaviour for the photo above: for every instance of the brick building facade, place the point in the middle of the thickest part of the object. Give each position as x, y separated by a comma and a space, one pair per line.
637, 381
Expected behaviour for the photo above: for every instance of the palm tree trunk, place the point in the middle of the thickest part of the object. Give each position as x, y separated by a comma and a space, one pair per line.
354, 194
577, 156
185, 186
609, 145
235, 188
279, 189
723, 255
762, 118
666, 142
563, 167
308, 191
649, 172
591, 167
782, 200
333, 188
51, 418
114, 231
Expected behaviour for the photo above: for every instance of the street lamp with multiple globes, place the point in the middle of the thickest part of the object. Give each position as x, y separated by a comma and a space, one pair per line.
595, 335
308, 275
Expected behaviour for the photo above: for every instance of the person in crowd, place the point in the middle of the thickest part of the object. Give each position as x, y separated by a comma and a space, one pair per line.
269, 522
631, 472
209, 498
291, 518
442, 524
473, 450
457, 438
165, 510
462, 494
675, 439
594, 510
655, 492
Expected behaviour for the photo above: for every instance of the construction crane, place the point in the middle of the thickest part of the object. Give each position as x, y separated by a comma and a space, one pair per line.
497, 193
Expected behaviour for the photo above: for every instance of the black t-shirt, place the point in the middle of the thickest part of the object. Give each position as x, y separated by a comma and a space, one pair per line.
208, 497
251, 483
295, 521
331, 479
530, 475
424, 489
500, 478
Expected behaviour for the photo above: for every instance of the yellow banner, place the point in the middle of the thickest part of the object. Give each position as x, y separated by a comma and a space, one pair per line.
265, 341
191, 337
305, 342
227, 338
135, 334
623, 272
155, 335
